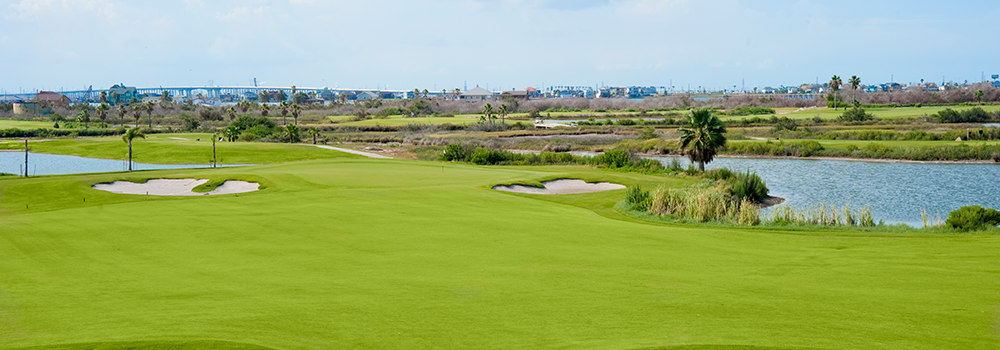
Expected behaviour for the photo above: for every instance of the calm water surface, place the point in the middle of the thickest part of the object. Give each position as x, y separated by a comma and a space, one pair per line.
52, 164
897, 192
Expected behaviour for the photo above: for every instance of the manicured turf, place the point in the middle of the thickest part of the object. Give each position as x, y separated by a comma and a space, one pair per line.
23, 124
179, 149
376, 254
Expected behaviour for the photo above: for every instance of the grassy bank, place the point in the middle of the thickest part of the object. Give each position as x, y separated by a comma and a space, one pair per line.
359, 253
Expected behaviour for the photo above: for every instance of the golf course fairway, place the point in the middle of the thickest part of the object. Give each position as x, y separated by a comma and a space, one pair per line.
354, 253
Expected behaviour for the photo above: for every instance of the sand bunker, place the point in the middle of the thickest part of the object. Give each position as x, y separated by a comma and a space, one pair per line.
563, 186
176, 187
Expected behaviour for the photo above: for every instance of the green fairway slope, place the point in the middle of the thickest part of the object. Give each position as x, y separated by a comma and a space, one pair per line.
152, 345
390, 254
180, 149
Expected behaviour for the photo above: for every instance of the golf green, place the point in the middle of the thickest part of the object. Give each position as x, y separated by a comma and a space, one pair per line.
352, 253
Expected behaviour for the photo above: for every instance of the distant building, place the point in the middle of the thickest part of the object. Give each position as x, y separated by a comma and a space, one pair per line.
122, 94
515, 94
477, 93
51, 98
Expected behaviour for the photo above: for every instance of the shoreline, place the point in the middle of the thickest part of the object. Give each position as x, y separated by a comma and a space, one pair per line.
873, 160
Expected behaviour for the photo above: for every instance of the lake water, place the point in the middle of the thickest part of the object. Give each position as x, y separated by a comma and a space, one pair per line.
897, 192
51, 164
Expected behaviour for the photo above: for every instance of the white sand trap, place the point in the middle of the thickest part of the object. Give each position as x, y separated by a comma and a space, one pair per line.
563, 186
176, 187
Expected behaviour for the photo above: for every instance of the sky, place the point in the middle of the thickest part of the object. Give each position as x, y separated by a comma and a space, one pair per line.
500, 44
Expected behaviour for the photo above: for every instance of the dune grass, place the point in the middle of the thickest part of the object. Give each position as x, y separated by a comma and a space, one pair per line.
390, 254
880, 112
179, 149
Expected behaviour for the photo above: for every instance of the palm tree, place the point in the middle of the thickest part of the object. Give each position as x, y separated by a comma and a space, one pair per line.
488, 112
281, 96
314, 132
84, 116
855, 84
979, 96
416, 93
291, 133
232, 113
263, 110
122, 111
835, 84
503, 113
343, 98
702, 137
102, 111
131, 134
264, 96
295, 113
137, 113
425, 93
244, 106
149, 113
284, 111
457, 92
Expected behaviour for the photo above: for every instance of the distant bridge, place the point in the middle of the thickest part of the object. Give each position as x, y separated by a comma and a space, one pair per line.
207, 92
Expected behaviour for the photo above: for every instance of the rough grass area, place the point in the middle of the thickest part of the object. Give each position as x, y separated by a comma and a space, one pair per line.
373, 254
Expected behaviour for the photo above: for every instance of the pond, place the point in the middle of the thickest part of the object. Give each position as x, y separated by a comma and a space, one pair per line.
896, 192
53, 164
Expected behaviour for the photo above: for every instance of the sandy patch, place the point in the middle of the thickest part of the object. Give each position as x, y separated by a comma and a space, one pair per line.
351, 151
563, 186
177, 138
176, 187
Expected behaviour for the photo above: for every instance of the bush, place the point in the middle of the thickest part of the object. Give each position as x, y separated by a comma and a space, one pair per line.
637, 199
647, 133
856, 114
973, 115
615, 158
748, 186
455, 152
487, 156
973, 217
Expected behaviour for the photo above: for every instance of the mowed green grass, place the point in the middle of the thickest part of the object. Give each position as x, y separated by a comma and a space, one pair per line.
375, 254
179, 149
23, 124
886, 113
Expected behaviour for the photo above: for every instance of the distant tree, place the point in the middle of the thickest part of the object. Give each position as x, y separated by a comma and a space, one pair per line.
503, 113
293, 90
281, 96
231, 133
264, 97
131, 134
137, 113
416, 93
835, 84
104, 97
314, 132
457, 92
84, 116
165, 99
979, 96
244, 106
199, 96
102, 111
855, 84
702, 136
425, 93
291, 133
488, 112
284, 111
343, 98
149, 113
232, 113
299, 98
264, 109
122, 111
296, 110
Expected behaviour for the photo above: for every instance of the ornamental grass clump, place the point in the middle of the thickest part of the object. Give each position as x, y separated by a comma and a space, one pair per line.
821, 215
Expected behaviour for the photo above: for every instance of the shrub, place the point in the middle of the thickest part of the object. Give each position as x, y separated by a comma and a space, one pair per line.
719, 174
647, 133
487, 156
615, 158
973, 217
637, 199
856, 114
748, 186
455, 152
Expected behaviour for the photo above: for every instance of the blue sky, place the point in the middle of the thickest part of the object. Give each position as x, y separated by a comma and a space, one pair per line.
438, 44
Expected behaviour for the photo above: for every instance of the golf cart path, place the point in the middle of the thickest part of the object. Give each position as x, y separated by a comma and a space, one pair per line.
348, 150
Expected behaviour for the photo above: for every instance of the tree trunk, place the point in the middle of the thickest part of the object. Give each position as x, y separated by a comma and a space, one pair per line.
130, 156
701, 165
314, 139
